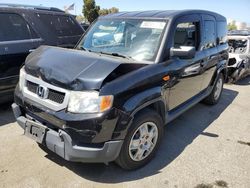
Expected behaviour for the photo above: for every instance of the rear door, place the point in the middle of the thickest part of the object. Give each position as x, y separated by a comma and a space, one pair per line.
209, 46
15, 43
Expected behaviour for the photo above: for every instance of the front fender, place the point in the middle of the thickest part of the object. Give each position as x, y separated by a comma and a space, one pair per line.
143, 99
153, 96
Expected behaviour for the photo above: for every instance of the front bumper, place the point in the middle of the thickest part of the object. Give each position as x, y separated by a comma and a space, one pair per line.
61, 143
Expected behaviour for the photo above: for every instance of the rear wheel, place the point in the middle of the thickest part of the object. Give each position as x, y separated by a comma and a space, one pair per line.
142, 140
215, 95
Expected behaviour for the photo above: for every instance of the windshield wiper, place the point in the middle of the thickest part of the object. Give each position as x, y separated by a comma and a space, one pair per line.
106, 53
116, 55
82, 48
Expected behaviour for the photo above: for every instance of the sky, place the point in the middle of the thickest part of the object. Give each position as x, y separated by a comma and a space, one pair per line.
238, 10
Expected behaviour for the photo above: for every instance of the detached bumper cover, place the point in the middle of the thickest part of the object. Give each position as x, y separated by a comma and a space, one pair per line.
61, 144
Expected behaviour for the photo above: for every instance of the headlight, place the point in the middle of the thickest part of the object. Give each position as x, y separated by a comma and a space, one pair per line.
22, 76
89, 102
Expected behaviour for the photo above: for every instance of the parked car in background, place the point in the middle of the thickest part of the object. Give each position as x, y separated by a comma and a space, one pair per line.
239, 32
23, 28
132, 73
239, 55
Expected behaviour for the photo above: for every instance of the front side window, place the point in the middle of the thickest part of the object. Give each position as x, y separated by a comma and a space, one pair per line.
138, 39
13, 27
187, 34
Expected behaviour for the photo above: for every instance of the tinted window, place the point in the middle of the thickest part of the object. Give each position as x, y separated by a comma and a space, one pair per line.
13, 27
222, 32
60, 25
187, 34
69, 26
209, 35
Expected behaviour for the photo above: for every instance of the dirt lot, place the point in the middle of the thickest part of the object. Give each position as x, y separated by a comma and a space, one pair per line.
205, 147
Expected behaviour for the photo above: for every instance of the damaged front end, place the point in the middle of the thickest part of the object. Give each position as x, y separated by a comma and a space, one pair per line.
239, 58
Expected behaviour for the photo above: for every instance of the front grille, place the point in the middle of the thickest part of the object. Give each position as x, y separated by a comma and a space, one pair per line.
56, 96
53, 95
32, 87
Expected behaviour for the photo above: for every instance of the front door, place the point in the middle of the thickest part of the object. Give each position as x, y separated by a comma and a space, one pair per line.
188, 81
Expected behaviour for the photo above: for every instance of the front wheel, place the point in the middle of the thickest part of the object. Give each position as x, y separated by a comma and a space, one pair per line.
215, 95
142, 140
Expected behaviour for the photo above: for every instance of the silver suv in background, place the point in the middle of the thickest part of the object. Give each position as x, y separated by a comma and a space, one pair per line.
239, 55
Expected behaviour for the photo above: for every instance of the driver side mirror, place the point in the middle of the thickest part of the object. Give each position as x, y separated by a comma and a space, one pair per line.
183, 52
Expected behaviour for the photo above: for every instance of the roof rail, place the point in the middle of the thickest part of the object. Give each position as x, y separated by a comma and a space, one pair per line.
30, 7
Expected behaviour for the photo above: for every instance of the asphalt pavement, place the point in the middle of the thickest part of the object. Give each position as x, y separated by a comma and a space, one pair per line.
207, 146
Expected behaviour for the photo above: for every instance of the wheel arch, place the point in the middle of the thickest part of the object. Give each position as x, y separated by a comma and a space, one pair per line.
156, 105
221, 68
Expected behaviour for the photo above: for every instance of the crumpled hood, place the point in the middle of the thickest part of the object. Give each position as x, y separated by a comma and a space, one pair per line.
70, 69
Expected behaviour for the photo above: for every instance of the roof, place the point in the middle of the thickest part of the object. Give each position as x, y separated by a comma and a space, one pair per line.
163, 14
7, 6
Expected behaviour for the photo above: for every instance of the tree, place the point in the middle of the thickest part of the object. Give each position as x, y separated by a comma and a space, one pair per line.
231, 26
105, 11
80, 18
90, 10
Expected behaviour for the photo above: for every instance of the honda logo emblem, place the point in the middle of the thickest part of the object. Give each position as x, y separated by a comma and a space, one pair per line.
42, 92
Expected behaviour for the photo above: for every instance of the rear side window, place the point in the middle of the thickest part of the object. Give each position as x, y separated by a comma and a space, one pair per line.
69, 26
13, 27
222, 32
210, 34
61, 25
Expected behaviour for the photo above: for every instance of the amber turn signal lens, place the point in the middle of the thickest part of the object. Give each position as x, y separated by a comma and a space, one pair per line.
166, 78
106, 103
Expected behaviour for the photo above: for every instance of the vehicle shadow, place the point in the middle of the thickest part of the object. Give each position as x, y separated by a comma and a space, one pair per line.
6, 115
178, 135
244, 82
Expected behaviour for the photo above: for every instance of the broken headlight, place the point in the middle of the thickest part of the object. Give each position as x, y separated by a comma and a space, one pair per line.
89, 102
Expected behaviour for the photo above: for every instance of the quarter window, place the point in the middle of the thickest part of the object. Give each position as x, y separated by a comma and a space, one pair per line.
13, 27
222, 32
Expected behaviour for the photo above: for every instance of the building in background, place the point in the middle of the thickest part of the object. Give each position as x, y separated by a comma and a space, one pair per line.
239, 25
248, 27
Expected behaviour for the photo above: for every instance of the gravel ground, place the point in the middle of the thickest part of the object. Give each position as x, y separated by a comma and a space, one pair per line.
208, 146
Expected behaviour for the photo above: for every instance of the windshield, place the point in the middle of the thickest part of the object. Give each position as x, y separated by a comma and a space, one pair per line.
137, 39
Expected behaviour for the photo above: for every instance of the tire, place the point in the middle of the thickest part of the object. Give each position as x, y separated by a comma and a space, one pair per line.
129, 157
215, 95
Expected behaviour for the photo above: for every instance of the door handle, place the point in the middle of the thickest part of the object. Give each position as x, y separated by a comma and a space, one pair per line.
203, 63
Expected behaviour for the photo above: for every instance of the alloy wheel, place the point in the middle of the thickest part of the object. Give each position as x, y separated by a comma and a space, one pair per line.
143, 141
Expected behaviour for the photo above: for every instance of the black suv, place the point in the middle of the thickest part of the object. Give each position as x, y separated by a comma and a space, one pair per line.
130, 74
23, 28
